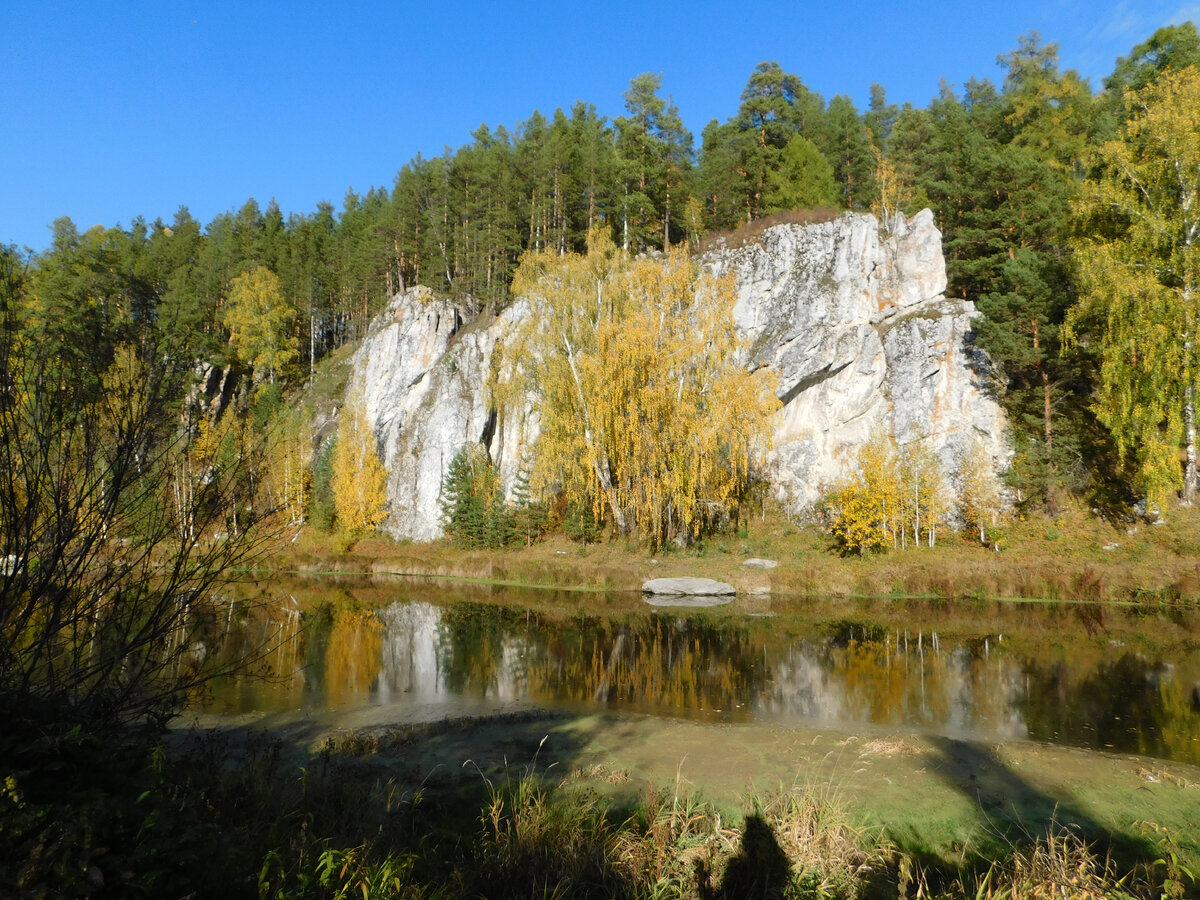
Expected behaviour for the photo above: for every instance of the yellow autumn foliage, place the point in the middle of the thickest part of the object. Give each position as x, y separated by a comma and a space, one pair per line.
260, 321
359, 480
1138, 263
288, 477
897, 495
645, 409
865, 509
353, 655
212, 453
924, 497
981, 502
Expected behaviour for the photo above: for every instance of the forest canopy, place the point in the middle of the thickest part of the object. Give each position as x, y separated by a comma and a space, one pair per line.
1011, 170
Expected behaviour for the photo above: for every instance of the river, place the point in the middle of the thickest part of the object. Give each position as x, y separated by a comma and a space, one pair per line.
1108, 678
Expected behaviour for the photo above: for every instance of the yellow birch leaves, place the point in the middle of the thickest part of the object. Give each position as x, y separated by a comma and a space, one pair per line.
898, 496
1139, 272
260, 320
645, 409
359, 480
981, 501
288, 460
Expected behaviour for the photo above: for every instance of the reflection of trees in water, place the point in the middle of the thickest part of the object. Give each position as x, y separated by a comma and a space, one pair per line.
651, 663
484, 650
352, 656
738, 669
660, 663
1125, 703
894, 681
267, 629
684, 665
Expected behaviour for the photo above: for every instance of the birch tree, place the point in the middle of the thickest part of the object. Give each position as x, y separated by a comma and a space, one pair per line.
981, 501
288, 473
106, 586
645, 410
924, 496
866, 509
359, 480
260, 320
1139, 270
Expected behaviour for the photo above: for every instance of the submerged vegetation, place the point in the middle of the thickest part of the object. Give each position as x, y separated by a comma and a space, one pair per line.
229, 815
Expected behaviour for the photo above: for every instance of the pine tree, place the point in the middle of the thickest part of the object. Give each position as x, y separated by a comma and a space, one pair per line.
528, 514
803, 180
722, 177
655, 153
851, 155
464, 515
594, 164
322, 507
739, 156
474, 514
881, 116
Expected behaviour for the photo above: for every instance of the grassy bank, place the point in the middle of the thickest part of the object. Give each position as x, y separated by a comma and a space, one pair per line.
1075, 556
596, 807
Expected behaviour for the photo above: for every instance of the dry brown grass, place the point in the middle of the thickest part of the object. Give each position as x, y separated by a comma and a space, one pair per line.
752, 232
1059, 865
1074, 558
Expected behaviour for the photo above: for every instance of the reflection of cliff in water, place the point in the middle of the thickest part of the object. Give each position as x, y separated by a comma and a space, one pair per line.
690, 667
411, 661
884, 682
736, 668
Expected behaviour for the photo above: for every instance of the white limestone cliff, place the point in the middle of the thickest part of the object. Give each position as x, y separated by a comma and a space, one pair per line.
852, 317
855, 321
422, 376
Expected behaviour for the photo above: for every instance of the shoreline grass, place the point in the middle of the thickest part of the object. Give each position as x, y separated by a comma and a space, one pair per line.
1160, 567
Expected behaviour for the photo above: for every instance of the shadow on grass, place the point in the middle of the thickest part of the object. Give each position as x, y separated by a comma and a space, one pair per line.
1016, 814
465, 757
760, 868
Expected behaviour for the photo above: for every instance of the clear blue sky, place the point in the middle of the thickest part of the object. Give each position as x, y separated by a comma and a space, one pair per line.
117, 109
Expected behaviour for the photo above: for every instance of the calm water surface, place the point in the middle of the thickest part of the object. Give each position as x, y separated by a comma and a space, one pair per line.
1081, 676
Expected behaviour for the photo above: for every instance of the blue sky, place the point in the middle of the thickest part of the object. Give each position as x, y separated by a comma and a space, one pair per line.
119, 109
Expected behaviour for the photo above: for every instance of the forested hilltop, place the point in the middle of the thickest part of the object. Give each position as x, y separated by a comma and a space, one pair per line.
1069, 213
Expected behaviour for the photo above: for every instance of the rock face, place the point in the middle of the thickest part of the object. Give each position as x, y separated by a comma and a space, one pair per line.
422, 376
852, 317
855, 321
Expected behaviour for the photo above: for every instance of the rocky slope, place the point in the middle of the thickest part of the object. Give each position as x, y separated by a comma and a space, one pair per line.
853, 318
